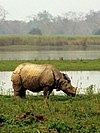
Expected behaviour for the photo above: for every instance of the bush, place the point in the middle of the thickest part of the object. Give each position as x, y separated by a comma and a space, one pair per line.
89, 90
35, 31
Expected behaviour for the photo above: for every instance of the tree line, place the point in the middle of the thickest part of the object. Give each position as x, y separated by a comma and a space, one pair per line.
44, 23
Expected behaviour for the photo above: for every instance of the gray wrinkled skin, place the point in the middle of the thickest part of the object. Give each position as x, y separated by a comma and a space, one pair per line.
38, 78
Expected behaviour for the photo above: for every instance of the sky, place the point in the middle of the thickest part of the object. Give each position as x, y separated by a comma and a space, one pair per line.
21, 9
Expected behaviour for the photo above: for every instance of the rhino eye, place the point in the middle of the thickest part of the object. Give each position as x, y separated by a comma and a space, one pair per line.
69, 88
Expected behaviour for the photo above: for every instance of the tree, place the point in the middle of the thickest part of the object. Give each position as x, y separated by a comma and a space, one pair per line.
93, 20
97, 32
35, 31
43, 20
3, 14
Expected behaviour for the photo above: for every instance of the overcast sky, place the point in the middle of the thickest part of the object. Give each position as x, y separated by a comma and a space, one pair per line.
20, 9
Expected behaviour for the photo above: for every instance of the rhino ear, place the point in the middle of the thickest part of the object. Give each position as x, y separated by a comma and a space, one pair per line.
65, 76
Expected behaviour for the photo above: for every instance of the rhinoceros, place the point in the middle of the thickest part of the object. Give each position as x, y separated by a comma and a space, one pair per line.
36, 78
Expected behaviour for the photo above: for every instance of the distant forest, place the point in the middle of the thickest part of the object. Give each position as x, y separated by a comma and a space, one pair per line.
44, 23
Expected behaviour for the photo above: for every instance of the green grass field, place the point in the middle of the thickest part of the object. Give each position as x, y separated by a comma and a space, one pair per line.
62, 114
67, 65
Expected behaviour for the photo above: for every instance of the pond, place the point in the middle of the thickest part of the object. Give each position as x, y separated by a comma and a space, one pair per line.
45, 55
83, 78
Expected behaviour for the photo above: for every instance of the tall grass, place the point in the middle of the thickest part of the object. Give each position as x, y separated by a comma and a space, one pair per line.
48, 40
33, 43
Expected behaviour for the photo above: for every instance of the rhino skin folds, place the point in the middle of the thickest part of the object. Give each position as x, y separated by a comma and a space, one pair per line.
38, 78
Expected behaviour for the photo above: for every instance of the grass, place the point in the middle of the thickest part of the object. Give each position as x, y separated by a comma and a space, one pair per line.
63, 114
67, 65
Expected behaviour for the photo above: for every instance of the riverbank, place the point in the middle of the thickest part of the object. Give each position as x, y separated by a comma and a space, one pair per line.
62, 65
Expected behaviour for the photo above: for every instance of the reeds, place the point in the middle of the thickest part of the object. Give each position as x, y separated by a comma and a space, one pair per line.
6, 40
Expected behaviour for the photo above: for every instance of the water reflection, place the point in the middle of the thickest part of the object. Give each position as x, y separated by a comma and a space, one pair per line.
5, 83
83, 78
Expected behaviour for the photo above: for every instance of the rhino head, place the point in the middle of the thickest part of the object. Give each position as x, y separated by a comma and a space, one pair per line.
66, 87
69, 89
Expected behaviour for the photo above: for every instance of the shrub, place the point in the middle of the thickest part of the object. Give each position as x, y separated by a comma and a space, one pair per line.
89, 90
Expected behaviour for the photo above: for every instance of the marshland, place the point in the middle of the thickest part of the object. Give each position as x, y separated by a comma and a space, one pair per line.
62, 114
29, 47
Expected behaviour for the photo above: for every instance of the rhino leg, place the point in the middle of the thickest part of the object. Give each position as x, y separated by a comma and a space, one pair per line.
19, 91
47, 91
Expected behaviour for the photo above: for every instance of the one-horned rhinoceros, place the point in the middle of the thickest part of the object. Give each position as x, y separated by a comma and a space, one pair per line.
36, 78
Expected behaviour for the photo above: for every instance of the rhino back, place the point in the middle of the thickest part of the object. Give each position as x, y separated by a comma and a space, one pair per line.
33, 76
32, 69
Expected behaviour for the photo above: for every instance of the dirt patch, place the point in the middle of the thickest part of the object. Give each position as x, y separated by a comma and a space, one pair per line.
35, 118
23, 116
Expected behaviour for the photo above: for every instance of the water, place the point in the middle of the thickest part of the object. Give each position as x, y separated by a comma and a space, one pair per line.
83, 78
45, 55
